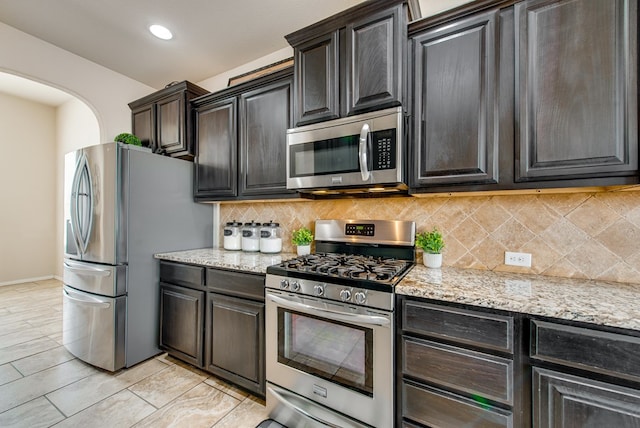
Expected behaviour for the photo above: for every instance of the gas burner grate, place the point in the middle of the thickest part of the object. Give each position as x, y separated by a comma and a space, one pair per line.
379, 269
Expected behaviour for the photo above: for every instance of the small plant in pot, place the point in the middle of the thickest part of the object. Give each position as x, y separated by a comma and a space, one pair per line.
128, 138
302, 239
432, 245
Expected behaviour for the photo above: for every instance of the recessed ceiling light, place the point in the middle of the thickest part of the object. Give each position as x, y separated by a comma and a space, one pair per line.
161, 32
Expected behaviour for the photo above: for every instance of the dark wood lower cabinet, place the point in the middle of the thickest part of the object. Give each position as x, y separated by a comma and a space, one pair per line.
438, 408
562, 400
182, 322
214, 319
235, 340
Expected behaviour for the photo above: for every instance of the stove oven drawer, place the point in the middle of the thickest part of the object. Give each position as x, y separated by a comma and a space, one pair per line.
490, 331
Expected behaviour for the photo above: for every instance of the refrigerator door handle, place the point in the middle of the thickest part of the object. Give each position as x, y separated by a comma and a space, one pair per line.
86, 300
82, 219
74, 204
85, 269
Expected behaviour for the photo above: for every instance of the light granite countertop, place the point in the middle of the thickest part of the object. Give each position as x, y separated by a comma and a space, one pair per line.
597, 302
220, 258
606, 303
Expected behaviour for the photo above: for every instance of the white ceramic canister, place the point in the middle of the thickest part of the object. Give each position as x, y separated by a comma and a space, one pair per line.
270, 238
233, 235
251, 236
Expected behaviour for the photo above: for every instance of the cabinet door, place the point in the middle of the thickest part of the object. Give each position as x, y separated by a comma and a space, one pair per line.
235, 340
562, 400
375, 59
170, 122
454, 71
577, 89
143, 125
265, 116
182, 322
317, 80
216, 150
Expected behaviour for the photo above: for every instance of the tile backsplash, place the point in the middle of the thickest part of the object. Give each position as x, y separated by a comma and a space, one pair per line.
579, 235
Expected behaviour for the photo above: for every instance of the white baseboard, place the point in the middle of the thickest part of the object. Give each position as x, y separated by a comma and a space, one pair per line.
20, 281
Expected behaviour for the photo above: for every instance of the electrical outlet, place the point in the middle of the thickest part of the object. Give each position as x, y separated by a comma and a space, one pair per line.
517, 259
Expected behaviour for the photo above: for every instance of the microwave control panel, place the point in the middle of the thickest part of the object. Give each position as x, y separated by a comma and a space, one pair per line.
384, 149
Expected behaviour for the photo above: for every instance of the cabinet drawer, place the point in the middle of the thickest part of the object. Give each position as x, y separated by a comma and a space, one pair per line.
471, 372
436, 408
602, 352
176, 273
235, 283
484, 330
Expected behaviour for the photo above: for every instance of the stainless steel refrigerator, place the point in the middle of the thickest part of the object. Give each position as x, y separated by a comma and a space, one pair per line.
122, 205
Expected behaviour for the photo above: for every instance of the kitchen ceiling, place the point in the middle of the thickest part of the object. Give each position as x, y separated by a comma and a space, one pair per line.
210, 36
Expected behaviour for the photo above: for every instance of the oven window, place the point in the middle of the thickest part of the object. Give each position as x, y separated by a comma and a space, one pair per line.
333, 156
339, 352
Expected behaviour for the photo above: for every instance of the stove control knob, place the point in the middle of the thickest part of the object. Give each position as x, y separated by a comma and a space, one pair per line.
360, 297
284, 284
295, 286
345, 295
318, 290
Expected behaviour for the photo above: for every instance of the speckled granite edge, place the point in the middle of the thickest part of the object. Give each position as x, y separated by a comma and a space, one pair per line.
235, 260
597, 302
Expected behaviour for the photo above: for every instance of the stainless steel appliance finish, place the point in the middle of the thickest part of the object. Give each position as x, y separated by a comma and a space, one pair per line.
357, 154
330, 327
122, 205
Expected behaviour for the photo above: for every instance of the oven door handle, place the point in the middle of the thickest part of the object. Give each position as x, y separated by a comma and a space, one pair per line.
327, 313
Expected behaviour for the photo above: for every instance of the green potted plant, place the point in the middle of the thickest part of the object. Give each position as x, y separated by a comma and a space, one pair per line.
302, 239
128, 138
432, 244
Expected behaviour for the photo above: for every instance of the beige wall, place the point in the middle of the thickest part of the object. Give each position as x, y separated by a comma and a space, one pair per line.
106, 92
581, 235
27, 189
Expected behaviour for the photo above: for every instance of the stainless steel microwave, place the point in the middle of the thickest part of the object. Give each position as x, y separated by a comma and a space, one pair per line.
352, 155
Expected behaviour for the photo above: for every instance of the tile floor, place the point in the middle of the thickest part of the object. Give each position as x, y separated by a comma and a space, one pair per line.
42, 385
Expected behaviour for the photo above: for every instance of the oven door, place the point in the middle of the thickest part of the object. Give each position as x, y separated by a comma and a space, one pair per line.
334, 355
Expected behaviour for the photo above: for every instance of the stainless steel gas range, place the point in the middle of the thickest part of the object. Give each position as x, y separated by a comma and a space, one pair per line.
330, 326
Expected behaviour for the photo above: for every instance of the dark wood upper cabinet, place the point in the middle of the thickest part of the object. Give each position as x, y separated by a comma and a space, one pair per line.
217, 152
454, 87
241, 140
576, 89
316, 71
351, 63
375, 49
265, 115
162, 120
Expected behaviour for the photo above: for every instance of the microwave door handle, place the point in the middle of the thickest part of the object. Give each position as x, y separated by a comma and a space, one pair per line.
363, 152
